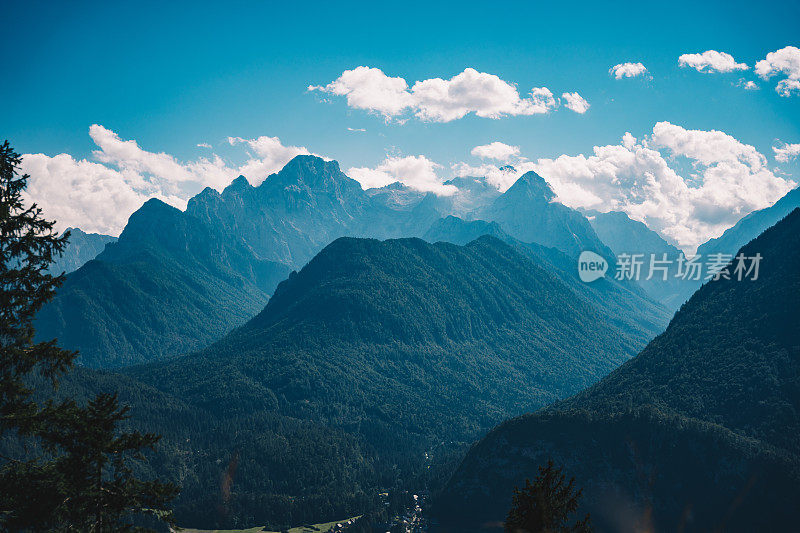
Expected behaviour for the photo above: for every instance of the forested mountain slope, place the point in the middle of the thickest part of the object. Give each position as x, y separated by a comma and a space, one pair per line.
402, 351
697, 432
169, 285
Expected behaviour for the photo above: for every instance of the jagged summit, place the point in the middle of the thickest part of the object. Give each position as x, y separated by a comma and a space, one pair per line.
532, 186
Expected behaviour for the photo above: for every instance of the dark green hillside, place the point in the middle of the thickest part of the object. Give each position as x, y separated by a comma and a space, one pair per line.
732, 343
697, 431
169, 285
381, 352
623, 302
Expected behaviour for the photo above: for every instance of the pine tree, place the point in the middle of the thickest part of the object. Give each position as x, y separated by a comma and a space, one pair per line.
28, 245
94, 468
545, 505
82, 480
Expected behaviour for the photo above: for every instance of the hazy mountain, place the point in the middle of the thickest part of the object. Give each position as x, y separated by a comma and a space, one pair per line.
751, 226
527, 212
170, 284
460, 231
292, 215
626, 236
81, 248
696, 433
624, 302
369, 363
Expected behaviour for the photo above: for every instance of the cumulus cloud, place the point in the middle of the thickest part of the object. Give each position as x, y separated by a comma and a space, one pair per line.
729, 179
85, 194
270, 155
99, 195
501, 177
627, 70
417, 172
786, 152
575, 102
711, 61
436, 99
495, 150
784, 61
748, 85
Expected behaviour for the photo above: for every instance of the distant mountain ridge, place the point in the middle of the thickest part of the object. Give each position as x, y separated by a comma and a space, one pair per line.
182, 296
168, 285
626, 236
527, 212
695, 433
752, 225
81, 248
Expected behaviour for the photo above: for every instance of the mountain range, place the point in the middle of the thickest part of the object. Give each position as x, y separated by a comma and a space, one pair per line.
696, 433
299, 357
374, 362
175, 281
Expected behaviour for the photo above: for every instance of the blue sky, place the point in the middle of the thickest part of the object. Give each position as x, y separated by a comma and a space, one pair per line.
172, 76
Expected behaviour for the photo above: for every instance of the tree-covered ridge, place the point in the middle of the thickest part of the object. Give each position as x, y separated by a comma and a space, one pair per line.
698, 431
169, 285
370, 357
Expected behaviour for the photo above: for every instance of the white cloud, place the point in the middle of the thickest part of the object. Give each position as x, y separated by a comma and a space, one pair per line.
784, 61
436, 99
711, 61
748, 85
85, 194
786, 152
706, 147
100, 195
495, 150
417, 172
270, 156
627, 70
204, 145
356, 129
646, 179
500, 177
729, 180
575, 102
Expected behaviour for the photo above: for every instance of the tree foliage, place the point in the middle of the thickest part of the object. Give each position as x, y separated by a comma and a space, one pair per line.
28, 245
73, 473
546, 505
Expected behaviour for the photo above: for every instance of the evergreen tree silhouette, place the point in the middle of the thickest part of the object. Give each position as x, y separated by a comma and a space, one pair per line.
75, 474
545, 506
